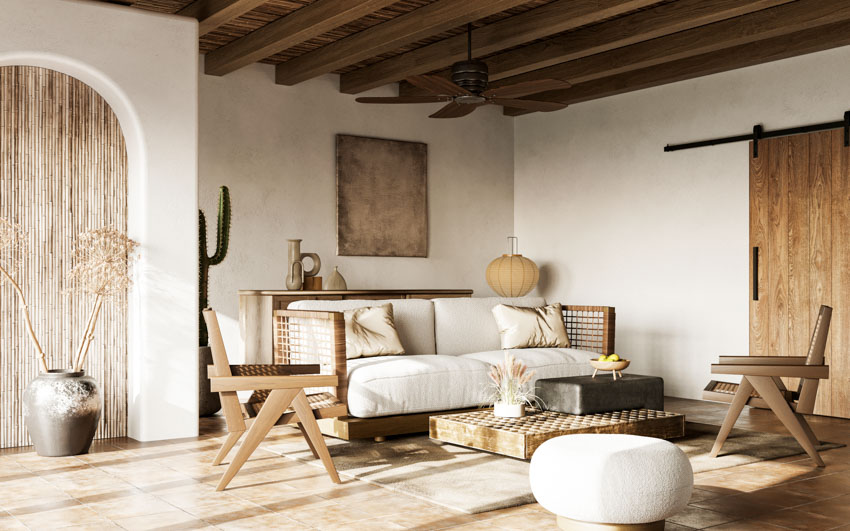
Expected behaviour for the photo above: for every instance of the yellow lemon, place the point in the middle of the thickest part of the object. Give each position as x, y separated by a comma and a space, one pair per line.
603, 358
613, 357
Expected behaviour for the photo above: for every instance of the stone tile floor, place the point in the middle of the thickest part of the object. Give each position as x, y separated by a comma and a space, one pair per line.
170, 485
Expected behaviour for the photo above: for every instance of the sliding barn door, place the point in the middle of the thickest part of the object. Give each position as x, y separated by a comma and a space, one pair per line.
800, 254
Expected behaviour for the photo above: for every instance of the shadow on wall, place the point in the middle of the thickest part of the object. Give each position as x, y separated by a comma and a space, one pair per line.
551, 277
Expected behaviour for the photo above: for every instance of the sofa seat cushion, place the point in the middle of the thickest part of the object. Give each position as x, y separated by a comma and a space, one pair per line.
396, 385
467, 325
414, 319
545, 362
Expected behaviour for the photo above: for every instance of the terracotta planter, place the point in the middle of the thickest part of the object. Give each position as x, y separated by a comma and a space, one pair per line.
62, 409
508, 410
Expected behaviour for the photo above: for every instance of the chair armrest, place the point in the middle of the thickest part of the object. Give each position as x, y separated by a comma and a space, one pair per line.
257, 383
820, 372
267, 370
311, 314
762, 360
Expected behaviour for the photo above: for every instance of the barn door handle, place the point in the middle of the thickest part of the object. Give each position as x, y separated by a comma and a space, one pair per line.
755, 273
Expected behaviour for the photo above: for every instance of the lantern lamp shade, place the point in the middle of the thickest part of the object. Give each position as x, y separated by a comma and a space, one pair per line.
512, 275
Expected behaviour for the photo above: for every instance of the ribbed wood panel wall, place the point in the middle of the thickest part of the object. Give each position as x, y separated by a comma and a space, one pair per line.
63, 170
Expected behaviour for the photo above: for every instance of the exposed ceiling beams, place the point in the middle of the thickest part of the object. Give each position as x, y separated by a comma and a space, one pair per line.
773, 49
645, 25
304, 24
552, 18
214, 13
601, 47
434, 18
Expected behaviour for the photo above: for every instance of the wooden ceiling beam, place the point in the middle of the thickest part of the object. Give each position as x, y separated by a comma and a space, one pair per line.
543, 21
434, 18
299, 26
214, 13
773, 49
642, 26
781, 20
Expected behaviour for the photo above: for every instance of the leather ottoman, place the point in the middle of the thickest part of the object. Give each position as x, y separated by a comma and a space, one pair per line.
584, 395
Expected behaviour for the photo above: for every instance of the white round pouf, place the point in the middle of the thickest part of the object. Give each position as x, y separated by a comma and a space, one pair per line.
589, 479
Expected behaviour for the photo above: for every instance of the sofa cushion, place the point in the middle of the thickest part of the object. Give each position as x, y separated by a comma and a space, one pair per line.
465, 325
371, 331
545, 362
414, 319
395, 385
542, 326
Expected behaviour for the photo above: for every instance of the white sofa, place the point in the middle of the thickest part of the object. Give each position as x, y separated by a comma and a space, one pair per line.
450, 346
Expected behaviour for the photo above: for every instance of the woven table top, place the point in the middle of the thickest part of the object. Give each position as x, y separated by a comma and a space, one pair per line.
537, 422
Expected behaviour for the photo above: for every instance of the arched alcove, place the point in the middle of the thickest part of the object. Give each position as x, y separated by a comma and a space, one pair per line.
64, 171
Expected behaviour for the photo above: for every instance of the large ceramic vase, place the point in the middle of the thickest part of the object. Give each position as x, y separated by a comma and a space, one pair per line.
208, 402
295, 272
62, 409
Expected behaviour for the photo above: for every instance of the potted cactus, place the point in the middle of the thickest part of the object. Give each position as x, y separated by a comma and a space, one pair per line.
208, 402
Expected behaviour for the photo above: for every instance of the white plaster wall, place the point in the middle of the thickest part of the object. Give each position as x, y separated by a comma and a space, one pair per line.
663, 237
274, 146
145, 66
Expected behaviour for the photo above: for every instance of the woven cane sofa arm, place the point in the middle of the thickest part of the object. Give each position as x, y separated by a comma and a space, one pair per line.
590, 327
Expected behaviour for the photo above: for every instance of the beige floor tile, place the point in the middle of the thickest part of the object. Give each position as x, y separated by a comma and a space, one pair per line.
128, 507
266, 521
174, 519
746, 525
387, 504
838, 507
739, 506
7, 521
670, 526
372, 524
526, 520
58, 518
700, 518
327, 515
429, 519
801, 521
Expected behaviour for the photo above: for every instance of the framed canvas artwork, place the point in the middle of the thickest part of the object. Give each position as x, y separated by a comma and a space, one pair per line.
381, 193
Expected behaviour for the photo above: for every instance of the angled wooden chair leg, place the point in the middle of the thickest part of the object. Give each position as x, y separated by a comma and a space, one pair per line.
745, 389
307, 438
311, 427
275, 405
794, 423
231, 440
808, 429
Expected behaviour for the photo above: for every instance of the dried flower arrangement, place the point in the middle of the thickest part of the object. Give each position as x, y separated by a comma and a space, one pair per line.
102, 261
509, 382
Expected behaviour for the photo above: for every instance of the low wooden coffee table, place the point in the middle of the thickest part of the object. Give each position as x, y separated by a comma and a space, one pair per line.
520, 437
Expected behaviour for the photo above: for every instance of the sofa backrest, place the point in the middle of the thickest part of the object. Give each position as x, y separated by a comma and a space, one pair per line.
466, 325
414, 319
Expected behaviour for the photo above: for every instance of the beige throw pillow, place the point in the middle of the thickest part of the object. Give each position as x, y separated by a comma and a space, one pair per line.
371, 332
531, 327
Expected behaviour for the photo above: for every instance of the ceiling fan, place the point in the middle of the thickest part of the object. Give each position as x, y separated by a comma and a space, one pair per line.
467, 90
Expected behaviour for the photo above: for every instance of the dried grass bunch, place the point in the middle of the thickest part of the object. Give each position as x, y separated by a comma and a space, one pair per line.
509, 382
102, 261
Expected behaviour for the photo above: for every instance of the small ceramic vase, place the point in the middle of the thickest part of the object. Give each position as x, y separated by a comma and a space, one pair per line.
508, 410
335, 282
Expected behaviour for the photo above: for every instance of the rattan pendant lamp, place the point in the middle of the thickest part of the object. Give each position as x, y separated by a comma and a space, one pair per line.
512, 275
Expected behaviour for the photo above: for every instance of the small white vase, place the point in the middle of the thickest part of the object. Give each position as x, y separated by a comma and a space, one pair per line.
508, 410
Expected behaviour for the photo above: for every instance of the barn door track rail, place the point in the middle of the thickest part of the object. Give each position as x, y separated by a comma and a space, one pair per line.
759, 133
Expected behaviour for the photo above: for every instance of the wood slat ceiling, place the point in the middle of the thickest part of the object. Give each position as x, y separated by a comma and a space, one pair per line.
645, 41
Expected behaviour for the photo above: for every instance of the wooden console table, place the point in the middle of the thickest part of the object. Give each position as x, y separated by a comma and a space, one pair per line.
256, 307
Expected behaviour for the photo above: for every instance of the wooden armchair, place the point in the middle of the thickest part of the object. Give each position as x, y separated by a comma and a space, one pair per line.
761, 386
275, 388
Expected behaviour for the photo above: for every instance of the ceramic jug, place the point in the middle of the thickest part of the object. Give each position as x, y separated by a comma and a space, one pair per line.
295, 272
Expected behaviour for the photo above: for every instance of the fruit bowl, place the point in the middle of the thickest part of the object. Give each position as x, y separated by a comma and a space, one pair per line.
615, 367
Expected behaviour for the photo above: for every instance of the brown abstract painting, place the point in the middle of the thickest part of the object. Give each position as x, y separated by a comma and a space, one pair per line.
381, 197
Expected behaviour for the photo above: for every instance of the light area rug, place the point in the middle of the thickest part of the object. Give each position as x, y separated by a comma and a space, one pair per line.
473, 481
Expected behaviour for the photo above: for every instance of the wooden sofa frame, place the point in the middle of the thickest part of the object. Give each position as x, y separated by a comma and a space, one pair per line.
303, 336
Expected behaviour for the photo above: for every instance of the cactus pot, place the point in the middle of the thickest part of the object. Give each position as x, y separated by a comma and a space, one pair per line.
208, 402
62, 409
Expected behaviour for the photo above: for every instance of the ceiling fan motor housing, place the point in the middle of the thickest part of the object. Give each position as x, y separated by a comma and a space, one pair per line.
471, 75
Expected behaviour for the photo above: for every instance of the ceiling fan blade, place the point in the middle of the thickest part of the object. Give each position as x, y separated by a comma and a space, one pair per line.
405, 99
437, 85
529, 105
455, 110
518, 90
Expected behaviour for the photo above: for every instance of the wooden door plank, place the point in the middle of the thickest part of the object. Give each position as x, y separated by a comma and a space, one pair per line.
759, 322
839, 331
820, 244
424, 22
777, 258
299, 26
799, 324
561, 15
